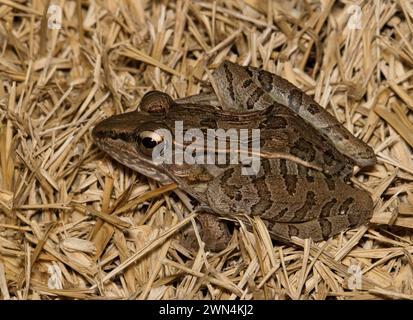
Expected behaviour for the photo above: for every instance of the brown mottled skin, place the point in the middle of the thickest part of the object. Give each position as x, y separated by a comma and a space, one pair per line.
306, 154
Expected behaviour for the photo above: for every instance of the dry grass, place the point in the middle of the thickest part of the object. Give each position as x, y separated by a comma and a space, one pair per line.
75, 224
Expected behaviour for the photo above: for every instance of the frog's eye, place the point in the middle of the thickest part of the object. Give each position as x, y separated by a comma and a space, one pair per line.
147, 140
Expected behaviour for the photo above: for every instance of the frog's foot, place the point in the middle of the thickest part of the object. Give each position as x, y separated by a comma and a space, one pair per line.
213, 232
317, 229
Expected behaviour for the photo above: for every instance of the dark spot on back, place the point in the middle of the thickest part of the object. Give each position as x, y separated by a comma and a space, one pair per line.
281, 214
293, 230
247, 83
305, 172
295, 99
283, 166
313, 108
328, 157
345, 206
265, 79
309, 203
309, 178
265, 203
290, 180
227, 175
230, 185
325, 228
345, 133
249, 71
279, 122
254, 97
326, 209
303, 149
276, 109
330, 182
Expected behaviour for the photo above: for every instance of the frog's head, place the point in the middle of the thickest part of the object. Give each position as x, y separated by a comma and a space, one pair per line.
130, 137
137, 139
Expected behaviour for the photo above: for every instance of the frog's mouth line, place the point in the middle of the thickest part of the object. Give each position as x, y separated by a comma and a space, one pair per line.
100, 135
122, 152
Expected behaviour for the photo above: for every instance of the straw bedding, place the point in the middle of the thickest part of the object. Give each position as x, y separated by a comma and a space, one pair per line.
76, 224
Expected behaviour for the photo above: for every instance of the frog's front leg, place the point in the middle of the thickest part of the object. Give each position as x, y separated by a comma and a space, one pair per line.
213, 232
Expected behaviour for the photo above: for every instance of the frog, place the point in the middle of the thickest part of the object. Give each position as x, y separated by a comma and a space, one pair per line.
294, 173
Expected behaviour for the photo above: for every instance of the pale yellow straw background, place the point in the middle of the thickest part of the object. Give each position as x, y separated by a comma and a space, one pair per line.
76, 224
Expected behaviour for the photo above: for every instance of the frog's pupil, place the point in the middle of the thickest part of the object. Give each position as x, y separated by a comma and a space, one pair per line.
149, 143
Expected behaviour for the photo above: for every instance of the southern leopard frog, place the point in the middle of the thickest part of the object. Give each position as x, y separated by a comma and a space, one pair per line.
307, 156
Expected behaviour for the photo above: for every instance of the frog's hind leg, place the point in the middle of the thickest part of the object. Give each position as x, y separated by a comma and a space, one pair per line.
233, 91
213, 231
253, 88
237, 91
317, 229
